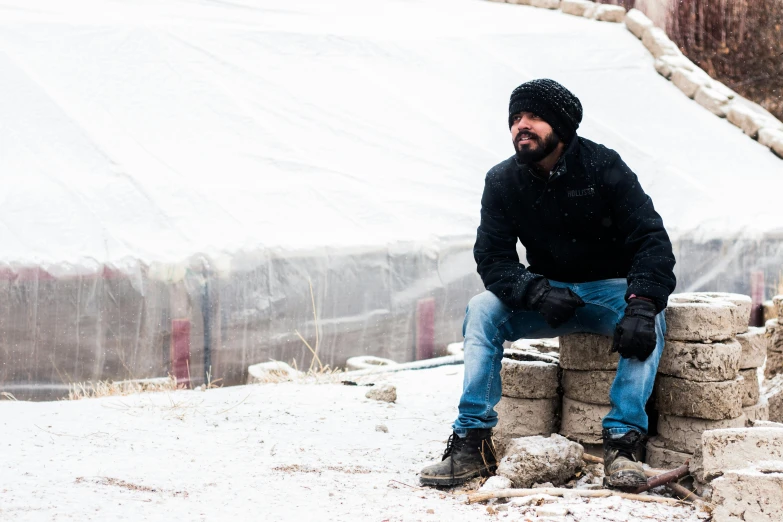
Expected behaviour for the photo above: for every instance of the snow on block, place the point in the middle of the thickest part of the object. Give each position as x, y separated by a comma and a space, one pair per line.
683, 434
754, 347
714, 400
712, 100
637, 22
689, 82
698, 317
582, 421
385, 393
661, 457
588, 386
609, 13
528, 376
575, 7
758, 412
667, 64
584, 351
523, 418
740, 314
748, 495
531, 460
547, 4
750, 387
273, 371
737, 448
751, 117
718, 361
656, 41
772, 138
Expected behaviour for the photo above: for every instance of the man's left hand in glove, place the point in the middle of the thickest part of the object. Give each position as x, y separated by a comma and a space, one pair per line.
634, 335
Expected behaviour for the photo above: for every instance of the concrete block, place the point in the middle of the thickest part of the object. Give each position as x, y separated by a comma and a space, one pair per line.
714, 400
549, 347
532, 460
660, 457
575, 7
774, 365
719, 361
656, 41
754, 347
591, 387
585, 351
778, 302
667, 64
609, 13
698, 317
690, 81
740, 316
528, 376
637, 22
773, 394
770, 310
582, 421
738, 448
712, 100
683, 434
757, 412
751, 117
523, 418
546, 4
750, 387
772, 138
748, 496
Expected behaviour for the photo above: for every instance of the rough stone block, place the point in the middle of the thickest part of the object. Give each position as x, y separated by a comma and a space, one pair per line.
774, 364
547, 4
773, 394
712, 100
523, 418
384, 393
532, 460
748, 496
757, 412
704, 400
698, 317
609, 13
660, 457
740, 314
582, 421
770, 310
772, 138
683, 434
751, 117
528, 376
738, 448
575, 7
718, 361
778, 302
591, 387
667, 64
750, 387
690, 81
656, 41
587, 352
637, 22
754, 347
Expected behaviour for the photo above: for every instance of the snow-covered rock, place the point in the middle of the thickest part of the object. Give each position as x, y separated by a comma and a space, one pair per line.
772, 138
609, 13
751, 117
575, 7
385, 393
658, 43
637, 22
530, 460
668, 63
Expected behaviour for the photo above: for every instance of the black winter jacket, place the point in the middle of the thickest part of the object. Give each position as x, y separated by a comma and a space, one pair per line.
591, 220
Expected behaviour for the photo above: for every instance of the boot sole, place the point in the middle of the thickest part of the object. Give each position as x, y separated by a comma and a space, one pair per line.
456, 480
624, 479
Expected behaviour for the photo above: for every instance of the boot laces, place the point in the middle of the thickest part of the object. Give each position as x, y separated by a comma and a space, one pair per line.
454, 443
626, 445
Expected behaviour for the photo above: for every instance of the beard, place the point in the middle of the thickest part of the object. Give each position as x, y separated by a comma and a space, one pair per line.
538, 149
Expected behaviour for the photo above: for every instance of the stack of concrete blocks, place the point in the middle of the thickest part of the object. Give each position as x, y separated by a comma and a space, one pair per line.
589, 368
699, 385
774, 341
741, 470
530, 402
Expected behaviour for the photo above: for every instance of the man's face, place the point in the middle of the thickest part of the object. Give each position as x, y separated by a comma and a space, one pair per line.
533, 138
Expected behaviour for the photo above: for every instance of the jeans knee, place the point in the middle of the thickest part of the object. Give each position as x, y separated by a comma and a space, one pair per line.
484, 309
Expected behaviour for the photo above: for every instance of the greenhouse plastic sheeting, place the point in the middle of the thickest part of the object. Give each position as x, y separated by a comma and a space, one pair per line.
177, 176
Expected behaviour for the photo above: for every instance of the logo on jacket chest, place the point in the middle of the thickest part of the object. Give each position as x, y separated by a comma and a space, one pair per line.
589, 191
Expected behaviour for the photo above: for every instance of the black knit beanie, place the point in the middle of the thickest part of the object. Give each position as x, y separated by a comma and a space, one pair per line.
552, 102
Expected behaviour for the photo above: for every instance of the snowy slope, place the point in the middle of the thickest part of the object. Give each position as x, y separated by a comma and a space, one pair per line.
156, 130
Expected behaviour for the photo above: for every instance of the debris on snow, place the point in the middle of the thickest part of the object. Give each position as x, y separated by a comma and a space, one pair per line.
385, 393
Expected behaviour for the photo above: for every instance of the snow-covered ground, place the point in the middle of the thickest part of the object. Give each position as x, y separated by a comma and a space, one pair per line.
287, 451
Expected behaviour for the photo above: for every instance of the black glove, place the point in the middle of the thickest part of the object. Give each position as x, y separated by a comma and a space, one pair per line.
634, 335
557, 305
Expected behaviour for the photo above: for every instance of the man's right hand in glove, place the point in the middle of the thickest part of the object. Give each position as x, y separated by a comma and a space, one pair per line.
557, 305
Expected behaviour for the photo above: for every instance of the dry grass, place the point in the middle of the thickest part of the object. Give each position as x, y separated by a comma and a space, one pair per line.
90, 390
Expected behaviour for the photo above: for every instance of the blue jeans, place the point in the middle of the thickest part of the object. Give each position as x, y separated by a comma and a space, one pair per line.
489, 322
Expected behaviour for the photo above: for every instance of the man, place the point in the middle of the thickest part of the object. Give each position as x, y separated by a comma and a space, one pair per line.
599, 259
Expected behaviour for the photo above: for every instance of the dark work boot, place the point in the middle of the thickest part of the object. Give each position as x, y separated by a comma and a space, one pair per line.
621, 466
464, 459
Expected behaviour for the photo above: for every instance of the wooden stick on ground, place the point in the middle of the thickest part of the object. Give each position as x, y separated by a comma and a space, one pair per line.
680, 491
664, 478
559, 492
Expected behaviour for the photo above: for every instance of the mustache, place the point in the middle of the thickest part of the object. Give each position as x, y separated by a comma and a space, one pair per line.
526, 134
